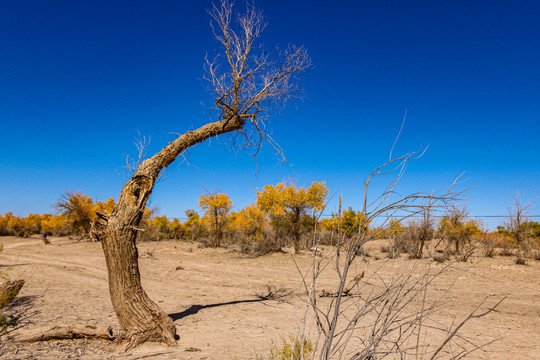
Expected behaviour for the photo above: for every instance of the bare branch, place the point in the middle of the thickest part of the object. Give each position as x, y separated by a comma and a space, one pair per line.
141, 144
246, 80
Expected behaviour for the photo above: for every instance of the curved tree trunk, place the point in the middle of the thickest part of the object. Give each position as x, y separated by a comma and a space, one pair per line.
139, 317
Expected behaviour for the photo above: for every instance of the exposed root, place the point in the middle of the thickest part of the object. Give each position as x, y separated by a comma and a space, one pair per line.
165, 336
59, 332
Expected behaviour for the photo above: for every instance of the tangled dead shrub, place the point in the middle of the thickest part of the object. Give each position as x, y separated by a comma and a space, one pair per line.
441, 257
268, 242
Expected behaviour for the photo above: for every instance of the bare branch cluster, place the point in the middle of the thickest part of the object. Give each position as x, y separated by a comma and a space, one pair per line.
377, 317
132, 163
517, 225
516, 222
246, 80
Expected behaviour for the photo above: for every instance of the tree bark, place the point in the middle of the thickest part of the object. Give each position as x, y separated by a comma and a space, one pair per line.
297, 243
140, 318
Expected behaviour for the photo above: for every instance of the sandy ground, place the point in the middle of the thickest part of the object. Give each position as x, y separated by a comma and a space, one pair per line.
214, 297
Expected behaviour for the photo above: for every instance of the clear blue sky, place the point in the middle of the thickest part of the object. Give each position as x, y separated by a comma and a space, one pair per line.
79, 79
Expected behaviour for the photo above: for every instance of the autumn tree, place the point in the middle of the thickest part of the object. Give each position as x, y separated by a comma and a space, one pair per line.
18, 227
457, 228
248, 84
193, 226
353, 221
161, 223
165, 229
534, 227
105, 206
395, 227
330, 224
4, 221
54, 224
347, 222
176, 229
216, 211
292, 204
78, 209
249, 222
250, 229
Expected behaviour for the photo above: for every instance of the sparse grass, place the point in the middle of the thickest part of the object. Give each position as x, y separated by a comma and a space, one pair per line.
292, 348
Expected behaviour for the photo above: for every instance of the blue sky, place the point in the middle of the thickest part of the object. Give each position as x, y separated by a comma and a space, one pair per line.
80, 79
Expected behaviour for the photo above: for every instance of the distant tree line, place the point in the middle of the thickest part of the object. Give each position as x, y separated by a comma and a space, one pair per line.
288, 215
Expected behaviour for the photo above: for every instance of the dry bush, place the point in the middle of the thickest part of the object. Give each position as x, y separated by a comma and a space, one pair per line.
377, 317
268, 242
459, 230
466, 252
488, 244
327, 237
423, 231
441, 257
505, 251
258, 247
413, 238
517, 226
8, 291
386, 248
292, 348
402, 243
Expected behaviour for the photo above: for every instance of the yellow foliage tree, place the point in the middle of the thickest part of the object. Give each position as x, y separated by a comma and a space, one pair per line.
54, 224
4, 221
79, 210
175, 229
18, 226
292, 204
161, 224
105, 207
330, 224
193, 226
353, 221
458, 228
33, 223
248, 222
350, 222
216, 210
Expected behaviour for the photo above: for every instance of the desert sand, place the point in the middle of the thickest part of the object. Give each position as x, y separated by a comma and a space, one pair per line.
216, 297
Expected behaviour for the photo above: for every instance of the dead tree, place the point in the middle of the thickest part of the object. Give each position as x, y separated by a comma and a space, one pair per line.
424, 233
248, 86
517, 226
376, 316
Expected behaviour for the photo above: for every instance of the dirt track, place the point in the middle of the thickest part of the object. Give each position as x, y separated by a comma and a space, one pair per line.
216, 297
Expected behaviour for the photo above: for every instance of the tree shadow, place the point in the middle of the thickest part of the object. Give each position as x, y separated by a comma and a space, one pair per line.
272, 293
19, 313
